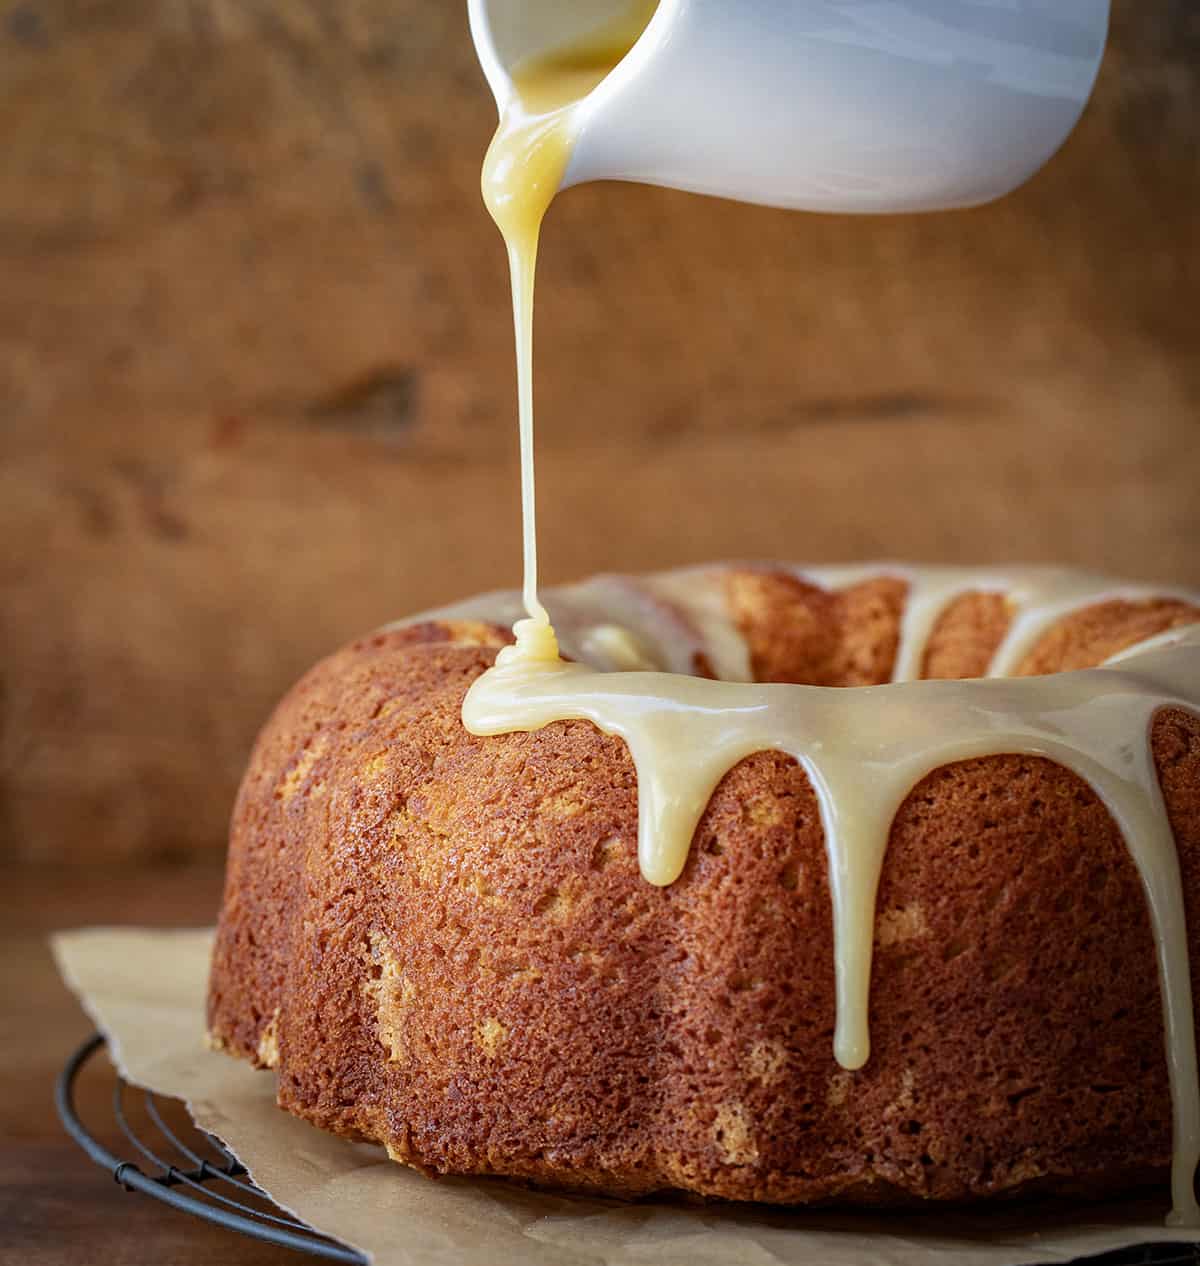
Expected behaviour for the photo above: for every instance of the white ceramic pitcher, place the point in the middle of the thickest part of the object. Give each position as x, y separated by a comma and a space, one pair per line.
825, 105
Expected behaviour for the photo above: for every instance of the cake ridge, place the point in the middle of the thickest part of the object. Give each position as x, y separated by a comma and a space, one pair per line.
1040, 595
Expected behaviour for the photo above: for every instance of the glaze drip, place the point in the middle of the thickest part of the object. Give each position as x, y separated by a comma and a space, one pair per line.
522, 171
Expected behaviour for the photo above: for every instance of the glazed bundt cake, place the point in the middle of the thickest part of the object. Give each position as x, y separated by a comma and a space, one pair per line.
443, 943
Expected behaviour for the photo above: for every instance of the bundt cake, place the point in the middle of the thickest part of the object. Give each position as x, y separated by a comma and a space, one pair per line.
447, 943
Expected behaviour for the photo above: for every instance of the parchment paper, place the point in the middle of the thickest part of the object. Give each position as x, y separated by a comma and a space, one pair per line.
145, 990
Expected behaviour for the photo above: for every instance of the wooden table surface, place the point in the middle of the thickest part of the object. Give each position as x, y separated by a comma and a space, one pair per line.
56, 1207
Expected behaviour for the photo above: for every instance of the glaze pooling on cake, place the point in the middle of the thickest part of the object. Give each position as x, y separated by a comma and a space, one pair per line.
864, 750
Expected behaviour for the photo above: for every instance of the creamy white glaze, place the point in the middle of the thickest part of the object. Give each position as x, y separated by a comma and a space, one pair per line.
865, 749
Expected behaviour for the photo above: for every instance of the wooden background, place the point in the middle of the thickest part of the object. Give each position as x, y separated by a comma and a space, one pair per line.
256, 382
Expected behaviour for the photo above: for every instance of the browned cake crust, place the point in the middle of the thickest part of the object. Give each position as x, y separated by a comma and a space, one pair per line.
966, 636
797, 631
444, 944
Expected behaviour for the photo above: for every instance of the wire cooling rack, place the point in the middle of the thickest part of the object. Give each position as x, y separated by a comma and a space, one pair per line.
183, 1166
198, 1175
